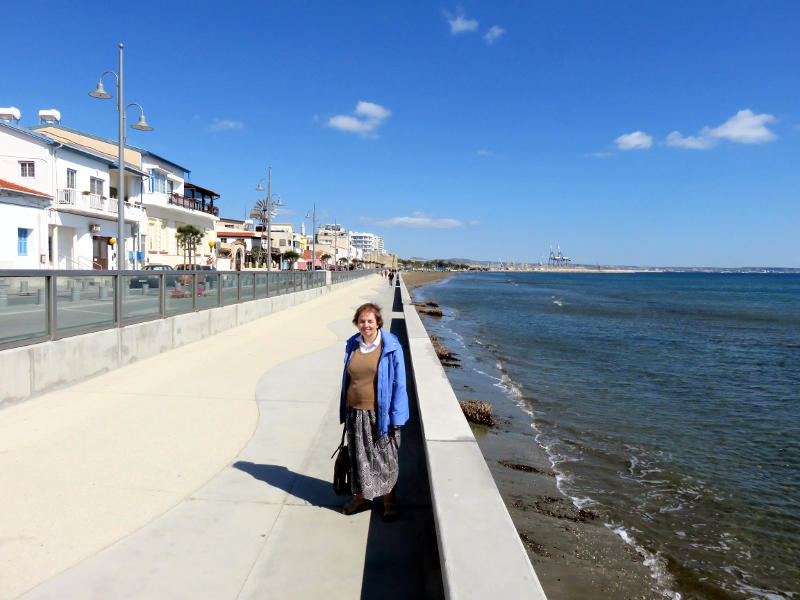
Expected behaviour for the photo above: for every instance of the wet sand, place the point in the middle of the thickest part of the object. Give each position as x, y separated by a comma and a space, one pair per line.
575, 555
415, 279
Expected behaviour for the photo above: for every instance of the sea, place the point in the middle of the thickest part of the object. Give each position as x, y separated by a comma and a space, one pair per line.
667, 403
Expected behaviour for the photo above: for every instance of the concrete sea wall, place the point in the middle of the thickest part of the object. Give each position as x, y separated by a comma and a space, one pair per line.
480, 552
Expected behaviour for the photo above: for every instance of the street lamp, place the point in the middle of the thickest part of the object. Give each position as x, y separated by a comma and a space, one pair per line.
265, 208
313, 216
140, 125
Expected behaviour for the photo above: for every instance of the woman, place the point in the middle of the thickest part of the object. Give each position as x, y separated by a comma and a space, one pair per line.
373, 406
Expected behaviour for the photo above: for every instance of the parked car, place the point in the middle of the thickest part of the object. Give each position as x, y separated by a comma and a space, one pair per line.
151, 280
190, 267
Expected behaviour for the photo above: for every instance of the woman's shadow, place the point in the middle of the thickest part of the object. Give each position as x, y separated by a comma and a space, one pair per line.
316, 492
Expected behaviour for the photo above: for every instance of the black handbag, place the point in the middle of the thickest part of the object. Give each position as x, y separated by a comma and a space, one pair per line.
341, 469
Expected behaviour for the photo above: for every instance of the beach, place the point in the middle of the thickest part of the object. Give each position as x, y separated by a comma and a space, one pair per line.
574, 553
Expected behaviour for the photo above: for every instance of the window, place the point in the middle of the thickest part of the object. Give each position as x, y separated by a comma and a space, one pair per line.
152, 226
158, 182
26, 169
96, 186
22, 241
170, 187
71, 179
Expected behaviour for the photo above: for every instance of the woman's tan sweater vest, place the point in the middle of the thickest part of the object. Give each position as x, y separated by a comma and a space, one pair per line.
362, 391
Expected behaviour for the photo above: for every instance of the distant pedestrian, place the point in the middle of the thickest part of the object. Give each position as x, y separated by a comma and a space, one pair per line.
391, 278
373, 405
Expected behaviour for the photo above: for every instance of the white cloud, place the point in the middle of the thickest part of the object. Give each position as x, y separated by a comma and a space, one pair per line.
369, 117
600, 154
225, 125
371, 110
638, 140
745, 127
495, 31
702, 141
460, 24
420, 220
485, 153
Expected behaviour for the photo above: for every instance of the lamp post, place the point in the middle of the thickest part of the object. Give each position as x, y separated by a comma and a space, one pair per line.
313, 216
265, 208
141, 125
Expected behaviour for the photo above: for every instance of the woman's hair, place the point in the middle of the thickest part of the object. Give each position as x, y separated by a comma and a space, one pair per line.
369, 307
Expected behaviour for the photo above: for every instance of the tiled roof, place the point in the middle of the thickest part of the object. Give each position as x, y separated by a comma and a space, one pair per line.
7, 185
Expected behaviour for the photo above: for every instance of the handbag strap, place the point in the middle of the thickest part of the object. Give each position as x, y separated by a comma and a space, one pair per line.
341, 443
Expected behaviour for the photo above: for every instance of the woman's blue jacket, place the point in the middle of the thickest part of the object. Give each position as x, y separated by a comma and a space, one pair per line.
392, 396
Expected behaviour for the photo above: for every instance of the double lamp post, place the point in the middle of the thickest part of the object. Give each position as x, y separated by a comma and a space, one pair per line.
140, 125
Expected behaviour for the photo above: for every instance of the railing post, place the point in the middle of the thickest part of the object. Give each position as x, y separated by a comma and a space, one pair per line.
52, 323
118, 298
162, 294
219, 289
238, 287
268, 276
194, 291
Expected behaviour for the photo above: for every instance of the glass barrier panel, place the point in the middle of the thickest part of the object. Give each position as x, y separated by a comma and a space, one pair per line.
141, 297
230, 293
247, 280
207, 289
177, 293
23, 308
84, 301
261, 285
287, 283
274, 284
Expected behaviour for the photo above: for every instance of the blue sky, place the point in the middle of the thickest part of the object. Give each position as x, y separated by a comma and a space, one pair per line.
646, 133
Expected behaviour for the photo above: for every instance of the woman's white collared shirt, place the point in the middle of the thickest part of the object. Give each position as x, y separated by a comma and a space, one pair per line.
365, 348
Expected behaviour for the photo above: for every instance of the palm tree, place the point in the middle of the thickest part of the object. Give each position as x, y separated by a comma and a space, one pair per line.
325, 258
291, 257
188, 237
259, 256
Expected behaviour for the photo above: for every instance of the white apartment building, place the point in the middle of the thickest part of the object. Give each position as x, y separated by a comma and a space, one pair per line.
367, 242
160, 189
58, 206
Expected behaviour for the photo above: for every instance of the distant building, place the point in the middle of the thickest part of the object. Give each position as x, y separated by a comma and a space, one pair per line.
366, 242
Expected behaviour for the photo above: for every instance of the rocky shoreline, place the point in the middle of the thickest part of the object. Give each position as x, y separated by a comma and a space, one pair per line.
574, 553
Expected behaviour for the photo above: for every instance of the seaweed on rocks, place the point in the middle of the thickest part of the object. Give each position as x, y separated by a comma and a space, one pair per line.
525, 468
446, 356
532, 545
431, 312
477, 411
431, 303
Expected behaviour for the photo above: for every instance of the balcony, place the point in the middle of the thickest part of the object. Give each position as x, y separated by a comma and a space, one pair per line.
71, 200
194, 204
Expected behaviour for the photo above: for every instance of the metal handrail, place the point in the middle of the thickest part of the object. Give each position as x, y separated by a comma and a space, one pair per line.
56, 302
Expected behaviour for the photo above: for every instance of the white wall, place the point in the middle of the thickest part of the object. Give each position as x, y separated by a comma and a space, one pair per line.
16, 146
15, 213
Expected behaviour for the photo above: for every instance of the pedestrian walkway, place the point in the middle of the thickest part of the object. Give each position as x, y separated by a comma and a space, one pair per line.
204, 472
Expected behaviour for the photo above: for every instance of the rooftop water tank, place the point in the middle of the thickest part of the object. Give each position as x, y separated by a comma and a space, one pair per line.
10, 114
50, 115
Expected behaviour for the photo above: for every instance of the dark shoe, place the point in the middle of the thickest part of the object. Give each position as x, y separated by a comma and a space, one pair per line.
352, 506
389, 513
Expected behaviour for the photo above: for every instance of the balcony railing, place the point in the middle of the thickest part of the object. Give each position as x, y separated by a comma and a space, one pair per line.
193, 204
37, 306
66, 196
71, 197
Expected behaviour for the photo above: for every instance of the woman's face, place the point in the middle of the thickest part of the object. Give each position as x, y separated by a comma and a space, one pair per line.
368, 325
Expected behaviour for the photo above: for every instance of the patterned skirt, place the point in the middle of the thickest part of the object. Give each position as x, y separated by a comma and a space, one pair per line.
373, 459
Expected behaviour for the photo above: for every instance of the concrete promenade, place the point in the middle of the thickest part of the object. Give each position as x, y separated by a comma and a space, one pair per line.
204, 473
